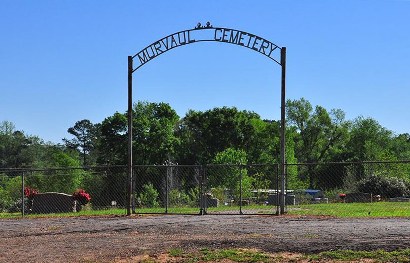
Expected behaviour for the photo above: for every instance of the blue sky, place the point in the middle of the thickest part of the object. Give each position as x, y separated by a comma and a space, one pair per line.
64, 61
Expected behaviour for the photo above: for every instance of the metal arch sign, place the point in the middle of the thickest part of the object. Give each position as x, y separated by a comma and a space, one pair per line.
207, 33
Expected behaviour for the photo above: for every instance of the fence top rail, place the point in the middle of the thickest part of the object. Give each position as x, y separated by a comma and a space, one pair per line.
203, 165
354, 162
61, 168
28, 169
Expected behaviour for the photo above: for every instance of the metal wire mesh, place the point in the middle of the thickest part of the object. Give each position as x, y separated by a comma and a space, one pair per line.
233, 189
201, 189
349, 182
25, 190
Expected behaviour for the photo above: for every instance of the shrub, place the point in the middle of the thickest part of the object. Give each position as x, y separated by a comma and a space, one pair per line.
178, 198
149, 196
5, 200
387, 187
10, 193
193, 194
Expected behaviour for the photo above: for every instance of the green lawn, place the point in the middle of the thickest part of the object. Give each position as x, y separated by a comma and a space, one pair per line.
252, 255
378, 209
81, 213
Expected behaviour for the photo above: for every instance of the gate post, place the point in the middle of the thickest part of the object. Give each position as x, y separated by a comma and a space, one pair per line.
283, 132
240, 190
23, 206
129, 115
167, 178
202, 188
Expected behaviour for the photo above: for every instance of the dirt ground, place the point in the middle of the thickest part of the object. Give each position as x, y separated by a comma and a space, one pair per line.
108, 239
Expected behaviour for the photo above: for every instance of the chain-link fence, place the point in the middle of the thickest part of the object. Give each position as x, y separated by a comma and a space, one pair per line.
349, 182
201, 189
59, 190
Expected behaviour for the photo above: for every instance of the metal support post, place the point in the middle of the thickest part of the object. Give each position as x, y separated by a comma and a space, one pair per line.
23, 205
202, 198
240, 190
168, 164
201, 192
283, 132
129, 113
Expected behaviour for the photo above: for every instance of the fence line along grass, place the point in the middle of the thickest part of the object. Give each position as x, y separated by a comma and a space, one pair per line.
104, 212
377, 209
10, 215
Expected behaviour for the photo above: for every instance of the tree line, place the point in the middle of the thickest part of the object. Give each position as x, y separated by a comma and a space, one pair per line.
314, 135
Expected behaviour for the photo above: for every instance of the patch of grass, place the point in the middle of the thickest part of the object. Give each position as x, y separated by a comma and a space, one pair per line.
171, 210
176, 252
156, 210
10, 215
377, 209
377, 255
234, 255
258, 209
252, 255
113, 211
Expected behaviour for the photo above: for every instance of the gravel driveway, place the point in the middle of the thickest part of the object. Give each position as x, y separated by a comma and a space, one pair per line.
106, 239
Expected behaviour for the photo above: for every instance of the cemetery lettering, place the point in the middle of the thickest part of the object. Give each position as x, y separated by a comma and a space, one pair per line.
244, 39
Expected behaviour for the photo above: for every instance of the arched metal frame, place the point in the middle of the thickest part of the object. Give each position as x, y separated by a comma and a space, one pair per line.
208, 33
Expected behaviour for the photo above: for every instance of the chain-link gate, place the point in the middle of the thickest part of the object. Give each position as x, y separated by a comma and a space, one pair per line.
206, 189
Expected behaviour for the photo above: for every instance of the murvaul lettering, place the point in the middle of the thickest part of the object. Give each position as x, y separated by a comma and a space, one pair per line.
163, 45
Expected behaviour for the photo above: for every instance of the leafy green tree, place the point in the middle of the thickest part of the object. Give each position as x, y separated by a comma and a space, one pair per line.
369, 141
14, 147
58, 177
7, 128
10, 191
189, 130
204, 134
319, 136
154, 133
113, 141
112, 150
18, 150
154, 141
85, 135
264, 145
232, 175
401, 146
